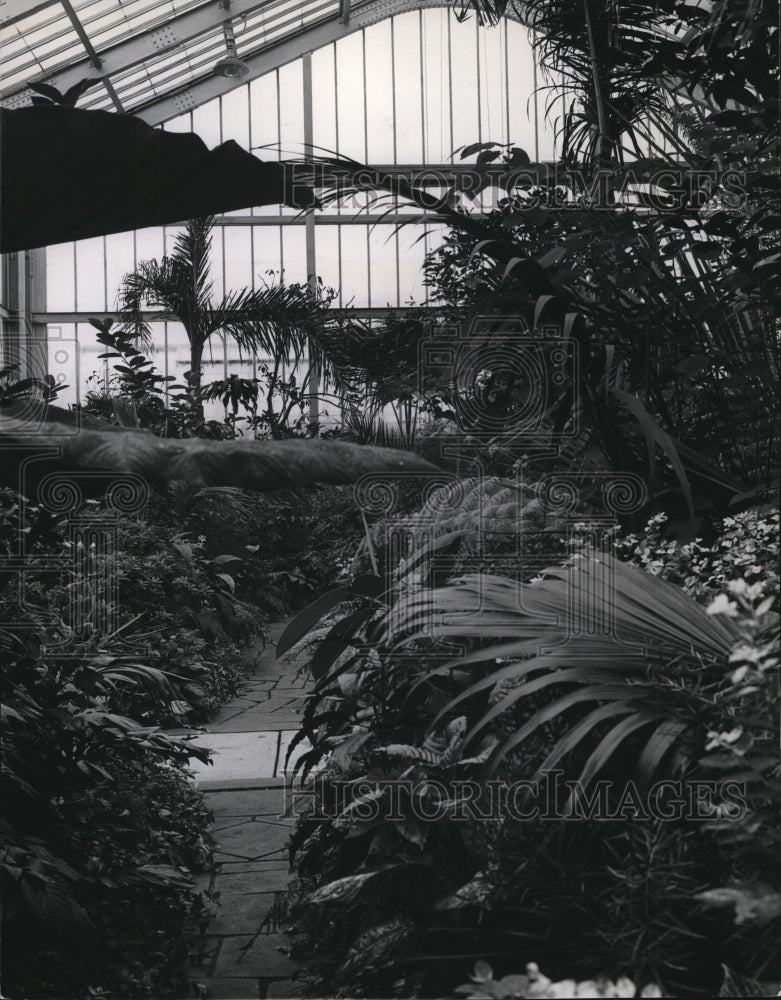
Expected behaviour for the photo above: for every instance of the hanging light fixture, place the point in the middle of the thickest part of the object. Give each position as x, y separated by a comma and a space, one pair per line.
231, 66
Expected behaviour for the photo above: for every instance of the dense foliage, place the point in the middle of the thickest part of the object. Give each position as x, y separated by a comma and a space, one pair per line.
100, 821
393, 903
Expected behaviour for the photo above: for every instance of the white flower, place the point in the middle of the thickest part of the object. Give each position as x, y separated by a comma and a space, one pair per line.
722, 605
745, 654
743, 589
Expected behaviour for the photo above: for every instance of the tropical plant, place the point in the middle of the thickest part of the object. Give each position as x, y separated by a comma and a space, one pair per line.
98, 817
275, 320
389, 717
533, 983
616, 242
12, 388
595, 633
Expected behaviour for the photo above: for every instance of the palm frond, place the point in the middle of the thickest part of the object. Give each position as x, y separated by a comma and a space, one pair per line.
275, 319
619, 672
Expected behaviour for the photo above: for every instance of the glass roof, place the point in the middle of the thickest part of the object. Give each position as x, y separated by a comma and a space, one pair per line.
148, 50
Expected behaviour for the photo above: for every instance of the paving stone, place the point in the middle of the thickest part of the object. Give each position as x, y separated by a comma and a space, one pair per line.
233, 784
284, 766
204, 951
249, 801
234, 989
263, 958
269, 878
237, 755
253, 838
229, 866
251, 722
242, 913
246, 802
283, 989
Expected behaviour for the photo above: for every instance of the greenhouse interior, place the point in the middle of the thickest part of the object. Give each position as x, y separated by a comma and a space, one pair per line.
389, 535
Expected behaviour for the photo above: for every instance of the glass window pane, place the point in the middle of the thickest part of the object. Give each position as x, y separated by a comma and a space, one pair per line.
177, 359
323, 103
94, 372
463, 63
412, 250
355, 272
350, 96
294, 247
60, 278
409, 125
382, 257
379, 93
238, 257
436, 86
263, 107
206, 123
268, 254
327, 253
184, 123
235, 116
149, 244
492, 90
291, 107
523, 100
217, 270
119, 262
90, 275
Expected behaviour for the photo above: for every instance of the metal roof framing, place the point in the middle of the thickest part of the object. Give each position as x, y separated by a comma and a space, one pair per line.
171, 34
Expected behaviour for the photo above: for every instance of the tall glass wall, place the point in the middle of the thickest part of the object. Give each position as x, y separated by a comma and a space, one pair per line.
406, 91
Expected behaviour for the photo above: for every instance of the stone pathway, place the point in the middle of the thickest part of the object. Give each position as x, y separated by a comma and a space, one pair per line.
243, 953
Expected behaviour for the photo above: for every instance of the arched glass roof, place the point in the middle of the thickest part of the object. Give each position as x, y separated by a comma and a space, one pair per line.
155, 58
388, 82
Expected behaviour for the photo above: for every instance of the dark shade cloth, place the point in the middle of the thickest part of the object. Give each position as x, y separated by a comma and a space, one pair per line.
68, 174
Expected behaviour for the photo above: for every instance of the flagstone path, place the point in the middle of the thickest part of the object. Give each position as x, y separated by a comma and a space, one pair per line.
243, 953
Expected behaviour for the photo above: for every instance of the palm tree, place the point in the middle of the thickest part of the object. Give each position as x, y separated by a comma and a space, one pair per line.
279, 319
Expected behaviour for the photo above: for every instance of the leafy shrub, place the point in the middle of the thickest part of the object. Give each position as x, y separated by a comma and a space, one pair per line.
393, 903
167, 604
99, 824
747, 547
101, 821
534, 984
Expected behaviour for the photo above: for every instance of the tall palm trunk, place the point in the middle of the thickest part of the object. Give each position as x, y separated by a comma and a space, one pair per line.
195, 377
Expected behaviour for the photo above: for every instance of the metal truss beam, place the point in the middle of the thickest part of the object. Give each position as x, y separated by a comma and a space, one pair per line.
55, 318
165, 37
346, 219
15, 10
177, 32
94, 58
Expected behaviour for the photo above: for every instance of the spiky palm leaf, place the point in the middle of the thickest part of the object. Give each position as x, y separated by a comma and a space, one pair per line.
611, 650
276, 319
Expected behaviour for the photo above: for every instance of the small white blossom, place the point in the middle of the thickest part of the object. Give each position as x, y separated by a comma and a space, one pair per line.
722, 605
